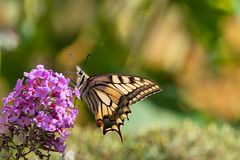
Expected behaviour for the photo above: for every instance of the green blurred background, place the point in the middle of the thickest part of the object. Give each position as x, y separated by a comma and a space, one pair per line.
190, 48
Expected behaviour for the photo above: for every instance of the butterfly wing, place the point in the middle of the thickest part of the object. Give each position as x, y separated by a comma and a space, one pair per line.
109, 96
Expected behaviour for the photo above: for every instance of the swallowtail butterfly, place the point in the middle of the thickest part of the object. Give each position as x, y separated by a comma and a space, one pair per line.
109, 96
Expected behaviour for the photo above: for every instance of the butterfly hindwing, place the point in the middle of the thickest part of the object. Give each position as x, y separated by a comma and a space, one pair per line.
109, 97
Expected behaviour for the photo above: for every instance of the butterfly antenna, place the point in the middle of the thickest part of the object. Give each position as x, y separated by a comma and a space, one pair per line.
69, 72
86, 60
73, 82
72, 73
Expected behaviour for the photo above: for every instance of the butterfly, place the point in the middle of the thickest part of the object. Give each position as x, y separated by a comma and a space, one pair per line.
109, 96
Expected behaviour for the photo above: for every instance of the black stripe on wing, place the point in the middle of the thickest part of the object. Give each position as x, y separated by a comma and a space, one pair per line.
112, 95
136, 88
105, 111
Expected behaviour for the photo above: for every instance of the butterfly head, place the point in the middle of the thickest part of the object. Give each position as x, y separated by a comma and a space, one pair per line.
81, 76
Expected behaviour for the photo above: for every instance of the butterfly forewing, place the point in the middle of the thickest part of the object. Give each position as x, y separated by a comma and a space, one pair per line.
109, 96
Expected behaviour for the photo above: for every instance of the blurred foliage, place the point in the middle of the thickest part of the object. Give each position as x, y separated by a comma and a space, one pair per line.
184, 141
203, 18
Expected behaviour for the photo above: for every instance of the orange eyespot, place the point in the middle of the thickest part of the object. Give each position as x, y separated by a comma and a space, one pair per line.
99, 123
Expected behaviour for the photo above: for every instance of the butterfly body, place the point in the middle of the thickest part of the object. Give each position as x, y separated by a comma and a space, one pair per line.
109, 96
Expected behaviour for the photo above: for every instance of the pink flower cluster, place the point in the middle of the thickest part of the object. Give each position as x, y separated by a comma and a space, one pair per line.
42, 101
